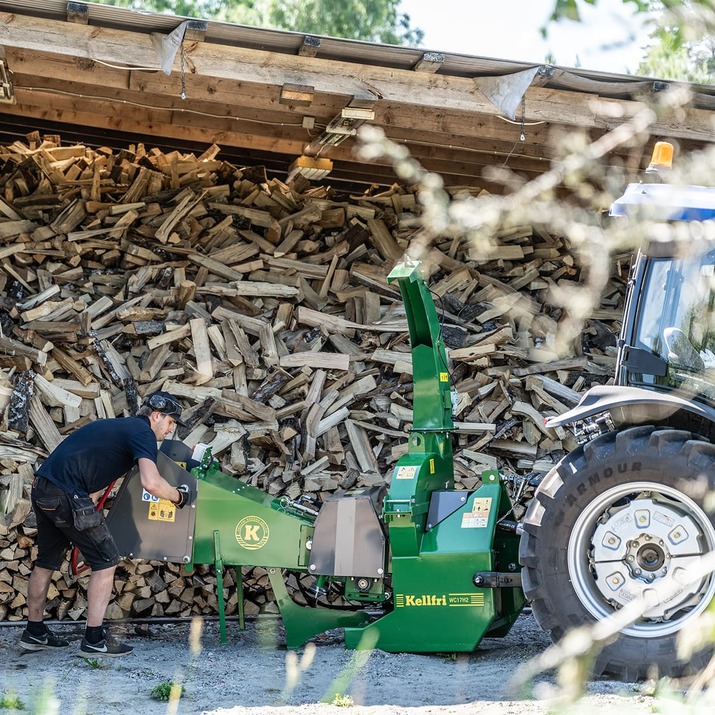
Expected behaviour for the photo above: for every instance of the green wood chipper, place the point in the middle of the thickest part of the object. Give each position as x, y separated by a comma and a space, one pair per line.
418, 566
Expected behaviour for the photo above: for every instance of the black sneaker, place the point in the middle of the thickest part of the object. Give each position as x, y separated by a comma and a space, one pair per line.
46, 641
107, 647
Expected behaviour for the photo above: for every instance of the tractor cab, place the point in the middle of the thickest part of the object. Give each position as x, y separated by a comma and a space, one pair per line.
668, 339
665, 370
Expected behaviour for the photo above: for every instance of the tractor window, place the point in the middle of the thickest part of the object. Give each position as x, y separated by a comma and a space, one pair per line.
652, 307
676, 321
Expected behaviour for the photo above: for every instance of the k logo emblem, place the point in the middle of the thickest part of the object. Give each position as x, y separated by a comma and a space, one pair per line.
252, 533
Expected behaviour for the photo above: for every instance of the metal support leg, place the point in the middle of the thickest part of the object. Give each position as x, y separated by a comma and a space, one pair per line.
218, 563
239, 593
302, 622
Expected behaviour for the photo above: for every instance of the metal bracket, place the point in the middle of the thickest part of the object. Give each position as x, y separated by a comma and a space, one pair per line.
496, 579
7, 91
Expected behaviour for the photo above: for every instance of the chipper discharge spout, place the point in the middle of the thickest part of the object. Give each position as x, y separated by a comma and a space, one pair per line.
415, 567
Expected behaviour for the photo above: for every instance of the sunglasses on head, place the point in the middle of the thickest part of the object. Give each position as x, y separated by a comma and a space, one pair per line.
164, 404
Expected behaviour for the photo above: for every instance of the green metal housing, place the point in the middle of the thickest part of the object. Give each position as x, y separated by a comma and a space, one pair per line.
436, 606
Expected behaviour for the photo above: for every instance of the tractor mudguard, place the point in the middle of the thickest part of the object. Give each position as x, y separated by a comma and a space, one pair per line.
631, 405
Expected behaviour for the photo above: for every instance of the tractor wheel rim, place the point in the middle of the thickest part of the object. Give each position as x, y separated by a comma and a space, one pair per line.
639, 540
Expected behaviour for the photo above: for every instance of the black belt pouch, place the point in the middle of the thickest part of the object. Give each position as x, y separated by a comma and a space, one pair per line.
85, 513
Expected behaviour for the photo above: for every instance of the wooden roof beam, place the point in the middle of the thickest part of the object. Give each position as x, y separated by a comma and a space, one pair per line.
224, 98
242, 64
237, 112
288, 138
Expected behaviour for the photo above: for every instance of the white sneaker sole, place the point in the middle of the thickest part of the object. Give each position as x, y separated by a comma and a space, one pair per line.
102, 654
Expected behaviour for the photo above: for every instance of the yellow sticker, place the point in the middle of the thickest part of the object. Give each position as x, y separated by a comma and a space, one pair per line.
444, 377
482, 504
431, 466
478, 518
406, 472
162, 510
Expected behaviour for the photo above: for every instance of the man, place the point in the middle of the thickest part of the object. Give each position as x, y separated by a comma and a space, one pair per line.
80, 467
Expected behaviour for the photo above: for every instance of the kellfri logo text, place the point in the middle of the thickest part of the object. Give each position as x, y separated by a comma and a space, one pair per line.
427, 599
468, 600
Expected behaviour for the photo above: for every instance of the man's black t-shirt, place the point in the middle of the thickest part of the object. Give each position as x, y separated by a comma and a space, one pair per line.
95, 455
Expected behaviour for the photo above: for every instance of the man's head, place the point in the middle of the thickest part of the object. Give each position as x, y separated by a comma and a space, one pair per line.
163, 411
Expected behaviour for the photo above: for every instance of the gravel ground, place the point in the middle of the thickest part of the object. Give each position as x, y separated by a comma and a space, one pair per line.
254, 673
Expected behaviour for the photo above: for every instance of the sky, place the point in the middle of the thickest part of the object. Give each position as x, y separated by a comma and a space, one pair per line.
610, 38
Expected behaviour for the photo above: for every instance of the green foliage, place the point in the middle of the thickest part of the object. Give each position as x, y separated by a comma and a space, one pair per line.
370, 20
167, 690
11, 701
342, 701
569, 9
242, 12
682, 45
187, 8
95, 663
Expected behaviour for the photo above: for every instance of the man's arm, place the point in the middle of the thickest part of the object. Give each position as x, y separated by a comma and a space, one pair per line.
154, 483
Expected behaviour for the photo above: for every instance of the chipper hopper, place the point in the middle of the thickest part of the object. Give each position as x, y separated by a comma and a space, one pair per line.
418, 566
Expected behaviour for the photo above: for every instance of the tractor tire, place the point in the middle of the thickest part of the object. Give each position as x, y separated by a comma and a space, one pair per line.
619, 515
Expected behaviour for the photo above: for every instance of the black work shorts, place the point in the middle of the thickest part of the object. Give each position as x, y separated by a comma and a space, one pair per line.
56, 531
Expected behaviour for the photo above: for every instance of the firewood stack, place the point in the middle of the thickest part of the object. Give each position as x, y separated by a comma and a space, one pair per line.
265, 308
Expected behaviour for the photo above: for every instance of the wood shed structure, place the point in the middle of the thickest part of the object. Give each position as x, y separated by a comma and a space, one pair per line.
182, 208
91, 73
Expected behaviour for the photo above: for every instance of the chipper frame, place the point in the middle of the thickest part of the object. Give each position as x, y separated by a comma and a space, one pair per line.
421, 569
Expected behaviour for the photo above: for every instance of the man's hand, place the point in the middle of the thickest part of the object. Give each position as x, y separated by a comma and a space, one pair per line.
184, 494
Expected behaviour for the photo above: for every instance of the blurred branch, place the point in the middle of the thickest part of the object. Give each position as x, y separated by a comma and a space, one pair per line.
579, 646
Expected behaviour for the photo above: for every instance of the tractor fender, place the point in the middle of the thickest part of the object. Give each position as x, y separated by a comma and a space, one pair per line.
632, 405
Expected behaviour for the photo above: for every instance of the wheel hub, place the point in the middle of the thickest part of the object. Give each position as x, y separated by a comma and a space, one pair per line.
651, 558
647, 558
643, 543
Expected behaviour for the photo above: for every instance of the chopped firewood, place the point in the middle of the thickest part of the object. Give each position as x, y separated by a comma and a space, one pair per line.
264, 307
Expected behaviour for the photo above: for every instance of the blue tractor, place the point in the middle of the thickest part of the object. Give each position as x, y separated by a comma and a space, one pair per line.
623, 525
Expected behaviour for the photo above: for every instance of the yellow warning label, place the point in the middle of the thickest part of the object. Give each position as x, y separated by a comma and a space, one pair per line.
431, 466
406, 472
162, 510
479, 516
444, 377
482, 504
